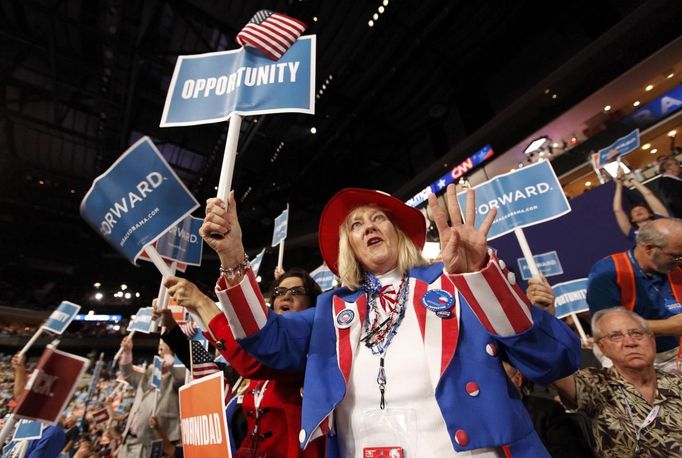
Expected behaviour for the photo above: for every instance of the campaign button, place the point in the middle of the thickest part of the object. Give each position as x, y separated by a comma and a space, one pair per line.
345, 318
491, 349
437, 300
301, 436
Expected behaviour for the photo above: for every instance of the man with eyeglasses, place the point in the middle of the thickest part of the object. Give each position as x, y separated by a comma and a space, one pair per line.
647, 280
636, 410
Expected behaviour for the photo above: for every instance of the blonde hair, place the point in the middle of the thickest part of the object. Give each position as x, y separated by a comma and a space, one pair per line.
350, 270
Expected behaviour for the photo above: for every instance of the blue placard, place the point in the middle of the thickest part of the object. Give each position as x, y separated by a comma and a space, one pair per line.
143, 321
62, 317
620, 147
28, 430
524, 197
457, 172
182, 242
657, 109
256, 262
136, 200
548, 265
7, 449
208, 88
570, 297
323, 277
157, 371
280, 231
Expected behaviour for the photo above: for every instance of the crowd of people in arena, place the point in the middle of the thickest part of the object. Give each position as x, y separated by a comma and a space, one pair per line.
419, 357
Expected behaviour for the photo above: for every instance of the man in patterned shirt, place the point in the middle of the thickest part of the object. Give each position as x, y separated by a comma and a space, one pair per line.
636, 409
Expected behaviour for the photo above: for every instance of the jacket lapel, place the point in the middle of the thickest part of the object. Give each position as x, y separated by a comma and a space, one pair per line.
349, 316
439, 335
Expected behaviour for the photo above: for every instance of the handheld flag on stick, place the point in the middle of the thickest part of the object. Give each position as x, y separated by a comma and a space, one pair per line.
272, 33
202, 363
280, 234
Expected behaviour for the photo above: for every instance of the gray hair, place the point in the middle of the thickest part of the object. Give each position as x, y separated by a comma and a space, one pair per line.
656, 232
596, 318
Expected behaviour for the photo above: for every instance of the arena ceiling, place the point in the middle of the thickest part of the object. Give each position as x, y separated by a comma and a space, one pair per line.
429, 83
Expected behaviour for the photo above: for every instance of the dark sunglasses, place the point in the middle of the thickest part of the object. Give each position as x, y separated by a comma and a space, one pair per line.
295, 291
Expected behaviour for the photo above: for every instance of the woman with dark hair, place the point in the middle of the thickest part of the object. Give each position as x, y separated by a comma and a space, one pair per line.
272, 400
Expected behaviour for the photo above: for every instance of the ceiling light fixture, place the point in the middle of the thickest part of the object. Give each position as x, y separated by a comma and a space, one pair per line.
654, 151
313, 130
672, 133
635, 103
375, 16
381, 9
588, 184
670, 75
649, 87
646, 146
314, 18
607, 108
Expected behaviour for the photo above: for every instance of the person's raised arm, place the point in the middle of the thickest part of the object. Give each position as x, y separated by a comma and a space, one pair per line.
223, 220
19, 367
621, 218
566, 388
652, 201
188, 295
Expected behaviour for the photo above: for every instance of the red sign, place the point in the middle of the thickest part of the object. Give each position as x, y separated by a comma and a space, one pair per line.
202, 418
51, 386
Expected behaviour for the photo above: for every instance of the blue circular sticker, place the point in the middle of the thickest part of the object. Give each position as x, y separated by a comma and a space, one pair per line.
437, 300
345, 318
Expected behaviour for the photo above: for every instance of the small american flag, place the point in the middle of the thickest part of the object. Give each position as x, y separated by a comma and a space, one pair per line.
100, 416
272, 33
188, 328
202, 363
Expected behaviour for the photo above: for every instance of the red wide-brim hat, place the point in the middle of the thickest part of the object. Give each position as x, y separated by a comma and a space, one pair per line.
410, 220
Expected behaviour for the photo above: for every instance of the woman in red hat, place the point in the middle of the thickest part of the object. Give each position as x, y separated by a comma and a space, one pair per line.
405, 359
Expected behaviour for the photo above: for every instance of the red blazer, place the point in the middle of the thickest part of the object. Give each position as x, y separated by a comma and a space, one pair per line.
279, 415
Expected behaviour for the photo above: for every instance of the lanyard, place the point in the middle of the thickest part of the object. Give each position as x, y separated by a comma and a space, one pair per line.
653, 413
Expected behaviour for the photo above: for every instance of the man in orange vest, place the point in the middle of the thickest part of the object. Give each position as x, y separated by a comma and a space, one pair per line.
647, 280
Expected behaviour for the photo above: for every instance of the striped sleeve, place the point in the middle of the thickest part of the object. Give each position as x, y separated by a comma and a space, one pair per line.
495, 298
243, 305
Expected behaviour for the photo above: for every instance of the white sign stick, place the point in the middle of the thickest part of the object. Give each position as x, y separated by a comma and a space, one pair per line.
280, 259
31, 341
523, 243
162, 298
229, 157
579, 327
131, 334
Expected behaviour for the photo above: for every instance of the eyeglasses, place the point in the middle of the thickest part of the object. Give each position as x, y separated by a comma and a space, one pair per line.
615, 337
295, 291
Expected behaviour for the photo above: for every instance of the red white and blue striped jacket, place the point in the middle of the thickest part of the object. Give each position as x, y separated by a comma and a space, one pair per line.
492, 319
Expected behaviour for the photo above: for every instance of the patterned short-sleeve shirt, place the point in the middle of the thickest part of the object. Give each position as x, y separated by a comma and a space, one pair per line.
605, 396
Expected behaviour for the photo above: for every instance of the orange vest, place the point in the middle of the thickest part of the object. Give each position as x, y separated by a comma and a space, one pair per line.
625, 278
